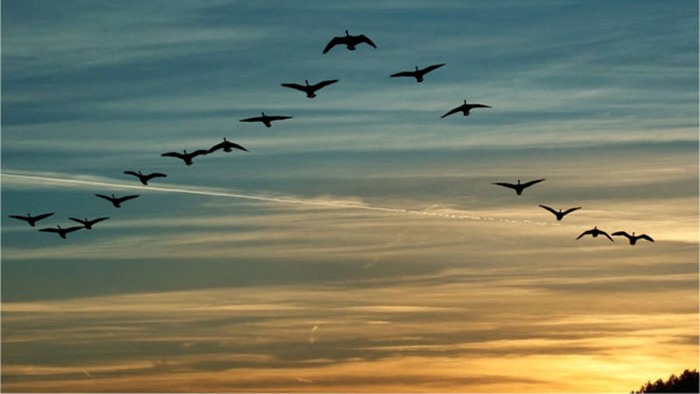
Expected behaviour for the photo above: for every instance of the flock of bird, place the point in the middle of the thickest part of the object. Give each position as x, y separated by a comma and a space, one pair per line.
350, 41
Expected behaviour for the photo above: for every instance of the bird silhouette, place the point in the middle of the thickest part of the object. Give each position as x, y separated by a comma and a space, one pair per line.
310, 90
226, 145
88, 223
61, 231
144, 178
633, 238
594, 232
349, 41
186, 157
265, 119
560, 215
518, 187
31, 219
116, 201
418, 73
464, 108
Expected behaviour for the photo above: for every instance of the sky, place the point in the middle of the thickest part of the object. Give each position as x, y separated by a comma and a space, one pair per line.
360, 246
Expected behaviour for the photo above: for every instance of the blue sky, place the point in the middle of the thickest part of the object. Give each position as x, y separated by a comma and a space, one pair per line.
365, 233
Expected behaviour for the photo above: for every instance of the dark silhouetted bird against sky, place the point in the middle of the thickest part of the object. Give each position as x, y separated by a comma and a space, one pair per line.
88, 223
560, 215
418, 73
464, 109
144, 178
265, 119
518, 187
31, 219
184, 156
227, 146
61, 231
349, 41
310, 90
594, 232
633, 238
116, 201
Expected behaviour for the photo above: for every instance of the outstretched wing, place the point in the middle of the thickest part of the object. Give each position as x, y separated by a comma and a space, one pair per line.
478, 106
278, 117
71, 229
549, 209
621, 233
97, 220
155, 175
131, 173
403, 74
644, 236
528, 184
126, 198
431, 68
253, 119
585, 233
454, 110
324, 83
235, 145
294, 86
172, 154
19, 217
81, 221
199, 152
108, 198
364, 38
568, 211
49, 230
333, 42
508, 185
606, 234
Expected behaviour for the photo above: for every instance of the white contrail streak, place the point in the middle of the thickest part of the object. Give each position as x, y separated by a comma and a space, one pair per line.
281, 200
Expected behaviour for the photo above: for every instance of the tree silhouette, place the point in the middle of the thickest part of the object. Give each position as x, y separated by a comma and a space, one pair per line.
686, 383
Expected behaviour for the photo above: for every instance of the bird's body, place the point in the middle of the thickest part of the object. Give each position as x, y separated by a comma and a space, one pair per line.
144, 178
518, 187
418, 73
227, 146
464, 109
265, 119
594, 232
560, 215
184, 156
87, 224
116, 201
349, 41
31, 220
61, 231
310, 90
633, 238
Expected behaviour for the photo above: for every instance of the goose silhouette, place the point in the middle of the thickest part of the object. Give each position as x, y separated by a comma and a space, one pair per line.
349, 41
265, 119
31, 219
144, 178
87, 224
464, 109
418, 73
594, 232
518, 187
116, 201
226, 145
633, 238
560, 215
310, 90
61, 231
184, 156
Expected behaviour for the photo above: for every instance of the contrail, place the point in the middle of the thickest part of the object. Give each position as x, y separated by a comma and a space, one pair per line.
281, 200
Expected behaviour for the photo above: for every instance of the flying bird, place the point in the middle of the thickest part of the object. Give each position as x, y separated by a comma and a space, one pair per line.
349, 41
116, 201
144, 178
464, 109
226, 145
87, 224
594, 232
186, 157
418, 73
61, 231
265, 119
560, 215
310, 90
518, 187
31, 219
633, 238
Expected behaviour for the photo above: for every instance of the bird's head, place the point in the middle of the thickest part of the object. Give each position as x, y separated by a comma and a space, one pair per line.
307, 82
346, 33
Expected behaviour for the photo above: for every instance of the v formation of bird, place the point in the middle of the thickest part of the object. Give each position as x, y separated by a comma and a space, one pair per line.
351, 42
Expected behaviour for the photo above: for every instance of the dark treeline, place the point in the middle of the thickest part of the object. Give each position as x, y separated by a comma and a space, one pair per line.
686, 383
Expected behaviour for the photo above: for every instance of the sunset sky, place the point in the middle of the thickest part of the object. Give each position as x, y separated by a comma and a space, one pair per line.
361, 245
